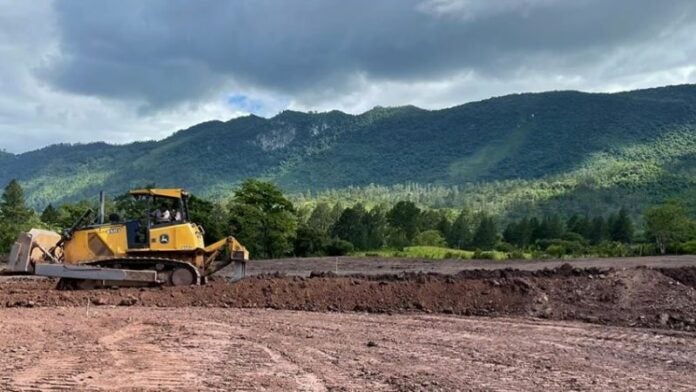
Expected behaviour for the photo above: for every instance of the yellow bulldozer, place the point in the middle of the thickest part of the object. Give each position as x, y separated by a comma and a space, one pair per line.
162, 247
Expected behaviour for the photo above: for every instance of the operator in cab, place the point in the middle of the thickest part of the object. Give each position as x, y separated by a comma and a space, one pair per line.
163, 215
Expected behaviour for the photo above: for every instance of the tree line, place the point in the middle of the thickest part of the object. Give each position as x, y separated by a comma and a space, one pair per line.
271, 226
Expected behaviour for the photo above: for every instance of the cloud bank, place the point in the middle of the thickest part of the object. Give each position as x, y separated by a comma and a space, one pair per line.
76, 71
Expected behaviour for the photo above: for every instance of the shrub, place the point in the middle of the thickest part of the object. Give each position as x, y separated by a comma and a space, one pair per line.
454, 255
430, 238
338, 247
488, 255
574, 237
559, 248
618, 249
504, 247
645, 250
556, 250
517, 255
688, 247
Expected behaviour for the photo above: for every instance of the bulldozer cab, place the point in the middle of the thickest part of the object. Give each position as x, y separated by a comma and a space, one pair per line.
163, 208
157, 222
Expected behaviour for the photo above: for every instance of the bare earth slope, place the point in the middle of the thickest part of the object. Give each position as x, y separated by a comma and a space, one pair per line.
640, 296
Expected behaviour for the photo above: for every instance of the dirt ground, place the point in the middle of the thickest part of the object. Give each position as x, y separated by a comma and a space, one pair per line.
384, 324
387, 265
633, 297
235, 349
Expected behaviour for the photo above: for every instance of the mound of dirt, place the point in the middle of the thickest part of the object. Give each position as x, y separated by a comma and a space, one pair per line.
630, 297
684, 275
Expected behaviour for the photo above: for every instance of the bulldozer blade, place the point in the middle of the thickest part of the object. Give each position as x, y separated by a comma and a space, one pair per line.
31, 248
238, 267
87, 272
239, 270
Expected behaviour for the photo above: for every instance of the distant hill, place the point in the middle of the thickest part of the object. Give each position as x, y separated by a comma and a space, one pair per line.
546, 149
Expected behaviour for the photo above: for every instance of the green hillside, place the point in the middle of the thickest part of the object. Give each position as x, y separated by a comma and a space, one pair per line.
528, 151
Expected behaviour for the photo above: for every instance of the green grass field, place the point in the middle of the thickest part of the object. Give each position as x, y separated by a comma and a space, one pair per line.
437, 253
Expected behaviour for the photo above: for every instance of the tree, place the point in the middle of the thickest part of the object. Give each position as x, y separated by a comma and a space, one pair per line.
351, 227
321, 218
460, 234
396, 238
534, 229
338, 247
129, 207
429, 219
336, 212
518, 233
621, 227
486, 235
600, 230
375, 223
551, 227
666, 224
405, 216
580, 225
50, 215
310, 241
15, 217
13, 209
263, 219
444, 227
211, 216
69, 213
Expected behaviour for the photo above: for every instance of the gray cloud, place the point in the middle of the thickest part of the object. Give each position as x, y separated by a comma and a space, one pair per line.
150, 61
167, 51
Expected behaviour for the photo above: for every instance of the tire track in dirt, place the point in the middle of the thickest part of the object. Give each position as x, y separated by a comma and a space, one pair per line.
223, 349
52, 372
282, 362
136, 356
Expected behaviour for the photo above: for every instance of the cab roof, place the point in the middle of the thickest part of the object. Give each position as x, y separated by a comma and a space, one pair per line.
174, 193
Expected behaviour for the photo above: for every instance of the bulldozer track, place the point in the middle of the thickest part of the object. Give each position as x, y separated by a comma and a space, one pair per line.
160, 264
138, 261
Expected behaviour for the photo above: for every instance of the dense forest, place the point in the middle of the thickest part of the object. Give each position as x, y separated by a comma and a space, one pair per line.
526, 154
271, 226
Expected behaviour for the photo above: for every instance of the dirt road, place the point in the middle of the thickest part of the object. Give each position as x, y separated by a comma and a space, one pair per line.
230, 349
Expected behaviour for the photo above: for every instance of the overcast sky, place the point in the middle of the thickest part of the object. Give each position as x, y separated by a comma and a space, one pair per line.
80, 71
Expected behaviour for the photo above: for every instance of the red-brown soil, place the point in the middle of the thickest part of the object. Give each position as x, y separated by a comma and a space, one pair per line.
347, 265
184, 349
398, 325
641, 296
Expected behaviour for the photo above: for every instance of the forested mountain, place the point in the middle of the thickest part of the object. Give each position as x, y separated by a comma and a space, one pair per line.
544, 150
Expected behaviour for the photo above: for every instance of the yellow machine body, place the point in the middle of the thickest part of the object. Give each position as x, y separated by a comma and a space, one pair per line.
99, 242
181, 241
182, 237
146, 250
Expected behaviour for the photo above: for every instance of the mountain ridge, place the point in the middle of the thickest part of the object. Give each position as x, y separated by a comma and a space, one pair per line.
528, 137
376, 108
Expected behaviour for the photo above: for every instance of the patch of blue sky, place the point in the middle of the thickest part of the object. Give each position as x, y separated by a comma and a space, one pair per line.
246, 104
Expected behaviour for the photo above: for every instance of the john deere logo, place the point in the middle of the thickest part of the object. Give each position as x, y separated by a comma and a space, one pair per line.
164, 239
